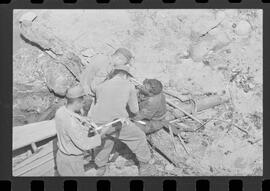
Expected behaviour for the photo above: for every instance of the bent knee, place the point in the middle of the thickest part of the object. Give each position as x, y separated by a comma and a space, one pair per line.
139, 132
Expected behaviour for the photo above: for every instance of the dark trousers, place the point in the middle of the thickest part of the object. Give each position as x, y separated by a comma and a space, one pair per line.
132, 136
151, 126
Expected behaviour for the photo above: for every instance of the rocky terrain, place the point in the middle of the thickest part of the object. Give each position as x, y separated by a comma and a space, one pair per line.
193, 52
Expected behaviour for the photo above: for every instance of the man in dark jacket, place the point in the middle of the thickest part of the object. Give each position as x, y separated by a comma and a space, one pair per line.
152, 107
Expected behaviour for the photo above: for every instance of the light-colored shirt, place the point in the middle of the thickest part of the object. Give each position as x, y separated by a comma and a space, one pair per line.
72, 137
112, 98
95, 72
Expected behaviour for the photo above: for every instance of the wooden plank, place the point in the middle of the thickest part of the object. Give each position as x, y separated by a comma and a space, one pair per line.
49, 172
45, 150
40, 164
42, 169
30, 168
31, 133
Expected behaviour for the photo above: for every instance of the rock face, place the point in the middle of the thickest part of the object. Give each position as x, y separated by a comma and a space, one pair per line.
58, 78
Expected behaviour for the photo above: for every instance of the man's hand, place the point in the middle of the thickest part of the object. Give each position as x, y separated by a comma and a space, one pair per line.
104, 131
124, 121
108, 129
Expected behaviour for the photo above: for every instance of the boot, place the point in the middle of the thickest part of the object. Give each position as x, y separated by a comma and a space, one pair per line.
146, 169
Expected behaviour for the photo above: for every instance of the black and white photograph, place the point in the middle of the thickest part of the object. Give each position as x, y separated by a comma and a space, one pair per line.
137, 92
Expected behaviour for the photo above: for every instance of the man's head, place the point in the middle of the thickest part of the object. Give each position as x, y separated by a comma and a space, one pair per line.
154, 86
75, 98
121, 56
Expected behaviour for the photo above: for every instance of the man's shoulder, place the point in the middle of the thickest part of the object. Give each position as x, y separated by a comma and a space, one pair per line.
60, 112
128, 85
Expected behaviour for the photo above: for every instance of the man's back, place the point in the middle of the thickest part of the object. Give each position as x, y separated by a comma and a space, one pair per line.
112, 97
63, 125
95, 72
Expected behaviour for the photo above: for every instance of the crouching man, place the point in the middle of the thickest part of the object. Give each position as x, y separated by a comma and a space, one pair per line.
101, 67
99, 70
73, 137
152, 107
113, 97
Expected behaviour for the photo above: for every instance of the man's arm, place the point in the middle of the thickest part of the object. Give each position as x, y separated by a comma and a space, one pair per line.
147, 111
79, 137
133, 101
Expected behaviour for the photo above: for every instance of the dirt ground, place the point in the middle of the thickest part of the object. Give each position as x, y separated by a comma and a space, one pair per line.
193, 52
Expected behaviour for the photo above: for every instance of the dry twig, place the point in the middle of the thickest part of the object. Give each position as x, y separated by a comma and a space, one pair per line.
172, 138
182, 143
244, 131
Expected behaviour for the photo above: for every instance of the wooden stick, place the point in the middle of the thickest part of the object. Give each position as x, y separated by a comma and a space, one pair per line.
158, 150
258, 140
172, 138
182, 143
34, 147
191, 116
175, 96
175, 120
244, 131
203, 125
108, 124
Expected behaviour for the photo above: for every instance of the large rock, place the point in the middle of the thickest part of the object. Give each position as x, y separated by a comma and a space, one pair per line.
43, 38
29, 103
58, 78
27, 65
243, 28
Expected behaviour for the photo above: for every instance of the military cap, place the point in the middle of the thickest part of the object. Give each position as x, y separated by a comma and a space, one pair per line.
75, 92
125, 52
155, 85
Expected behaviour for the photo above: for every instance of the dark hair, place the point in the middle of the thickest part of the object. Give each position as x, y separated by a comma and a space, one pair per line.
156, 86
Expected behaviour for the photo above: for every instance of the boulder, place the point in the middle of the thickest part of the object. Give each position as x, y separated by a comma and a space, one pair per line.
243, 28
29, 16
58, 78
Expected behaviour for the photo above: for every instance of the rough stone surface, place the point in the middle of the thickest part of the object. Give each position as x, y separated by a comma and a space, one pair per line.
58, 78
243, 28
